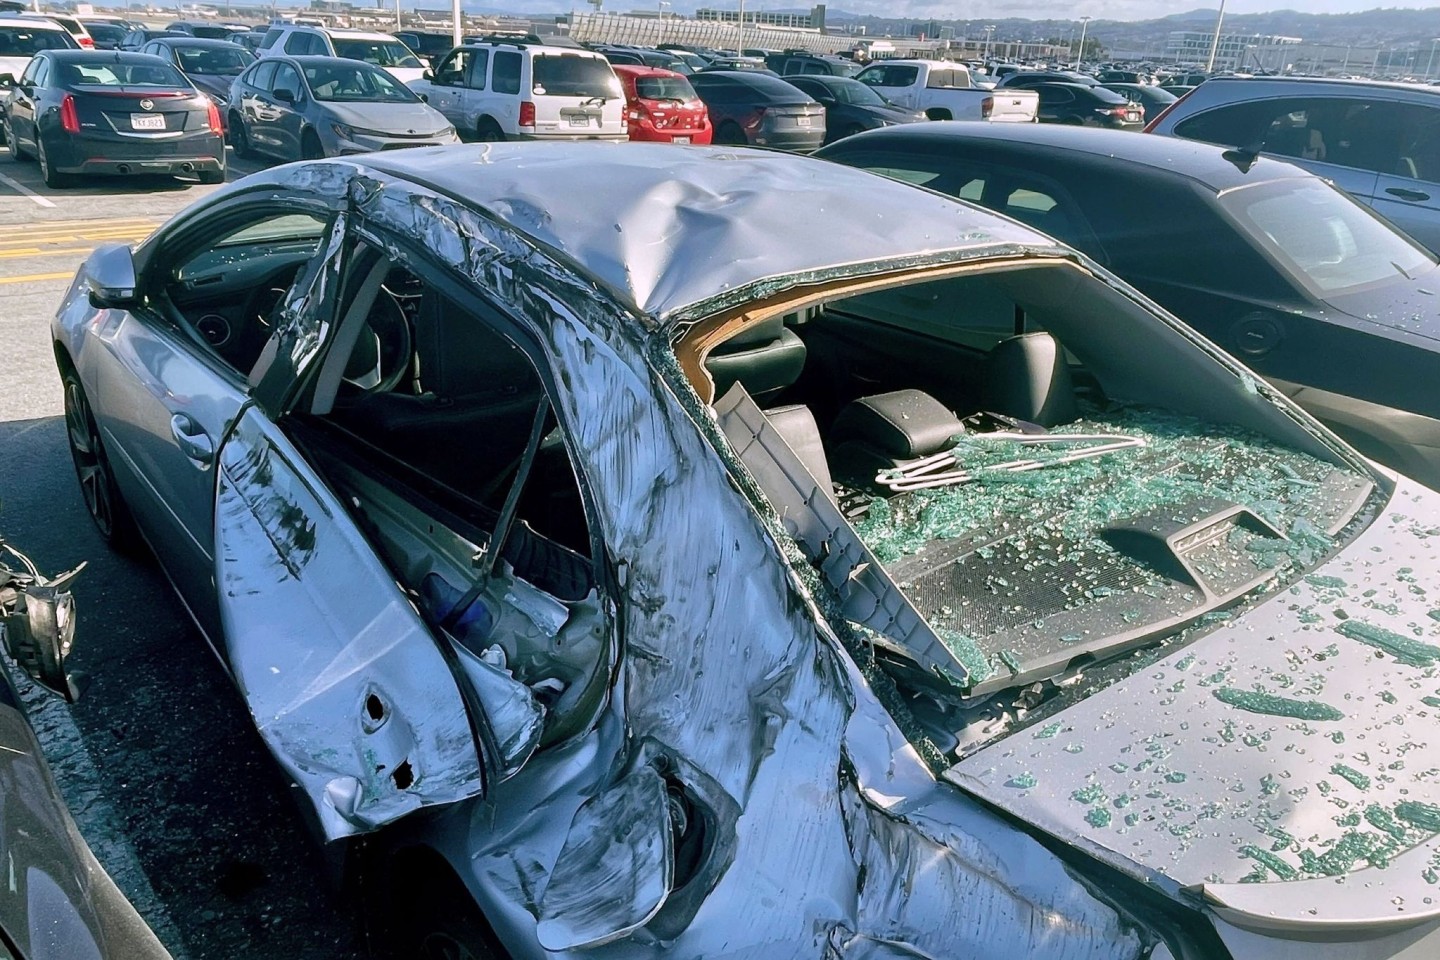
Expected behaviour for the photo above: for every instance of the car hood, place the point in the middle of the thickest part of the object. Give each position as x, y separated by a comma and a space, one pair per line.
217, 87
397, 118
1408, 308
1281, 765
889, 113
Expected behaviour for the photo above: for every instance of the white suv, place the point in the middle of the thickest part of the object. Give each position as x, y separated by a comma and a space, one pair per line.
518, 90
381, 49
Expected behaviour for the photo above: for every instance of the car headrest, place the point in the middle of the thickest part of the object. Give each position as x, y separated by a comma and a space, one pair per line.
766, 358
902, 425
1028, 378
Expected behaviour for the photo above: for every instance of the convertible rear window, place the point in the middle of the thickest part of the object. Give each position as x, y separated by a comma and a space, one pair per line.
571, 75
1328, 242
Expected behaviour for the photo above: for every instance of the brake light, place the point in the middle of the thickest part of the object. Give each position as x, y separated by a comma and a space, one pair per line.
1150, 127
527, 113
987, 106
213, 115
69, 119
87, 42
754, 120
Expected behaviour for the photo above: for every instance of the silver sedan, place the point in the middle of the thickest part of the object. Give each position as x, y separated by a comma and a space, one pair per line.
306, 108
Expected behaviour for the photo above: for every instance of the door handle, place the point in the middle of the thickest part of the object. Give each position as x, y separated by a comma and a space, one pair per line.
1414, 196
194, 442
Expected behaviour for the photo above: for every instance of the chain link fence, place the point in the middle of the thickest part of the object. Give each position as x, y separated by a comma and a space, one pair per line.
652, 31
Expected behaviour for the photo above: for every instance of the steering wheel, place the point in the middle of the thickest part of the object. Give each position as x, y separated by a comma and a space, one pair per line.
381, 355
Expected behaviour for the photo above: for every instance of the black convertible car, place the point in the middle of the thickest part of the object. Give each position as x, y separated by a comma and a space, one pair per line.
1312, 289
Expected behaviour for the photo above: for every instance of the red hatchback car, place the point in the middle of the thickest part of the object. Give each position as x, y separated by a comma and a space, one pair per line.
660, 105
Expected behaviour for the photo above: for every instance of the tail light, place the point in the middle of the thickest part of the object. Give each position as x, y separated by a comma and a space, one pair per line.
527, 113
1150, 127
214, 117
987, 107
87, 42
69, 119
753, 120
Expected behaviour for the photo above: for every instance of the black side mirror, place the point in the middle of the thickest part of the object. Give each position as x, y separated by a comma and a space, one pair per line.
429, 75
7, 80
424, 98
284, 94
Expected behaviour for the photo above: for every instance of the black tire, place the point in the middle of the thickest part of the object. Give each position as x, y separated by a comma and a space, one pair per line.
416, 909
488, 131
310, 146
851, 130
731, 135
54, 179
239, 138
936, 113
102, 498
16, 153
1072, 122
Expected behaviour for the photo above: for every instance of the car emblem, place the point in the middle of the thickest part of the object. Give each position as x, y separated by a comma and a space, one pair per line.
147, 104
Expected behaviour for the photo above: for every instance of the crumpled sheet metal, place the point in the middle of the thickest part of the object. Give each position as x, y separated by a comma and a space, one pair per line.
721, 219
311, 644
726, 666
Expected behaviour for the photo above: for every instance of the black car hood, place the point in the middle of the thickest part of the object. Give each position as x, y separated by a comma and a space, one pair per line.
216, 86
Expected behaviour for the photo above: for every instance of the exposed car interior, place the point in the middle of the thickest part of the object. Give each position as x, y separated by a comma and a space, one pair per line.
454, 465
1045, 506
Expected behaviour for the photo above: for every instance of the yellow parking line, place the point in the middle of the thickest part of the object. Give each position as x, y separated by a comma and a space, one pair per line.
97, 222
37, 277
73, 238
38, 252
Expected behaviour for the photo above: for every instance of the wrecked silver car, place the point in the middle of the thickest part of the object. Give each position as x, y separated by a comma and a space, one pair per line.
724, 554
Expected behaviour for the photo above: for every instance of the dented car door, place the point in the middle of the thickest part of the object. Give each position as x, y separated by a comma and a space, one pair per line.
347, 685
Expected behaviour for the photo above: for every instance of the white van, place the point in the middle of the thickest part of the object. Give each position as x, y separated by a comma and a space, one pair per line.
380, 49
520, 90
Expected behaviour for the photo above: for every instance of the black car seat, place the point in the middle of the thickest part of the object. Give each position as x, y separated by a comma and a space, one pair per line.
888, 430
1027, 377
766, 358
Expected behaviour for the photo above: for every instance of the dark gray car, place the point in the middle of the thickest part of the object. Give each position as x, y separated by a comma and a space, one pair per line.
59, 903
1327, 300
749, 107
294, 108
212, 65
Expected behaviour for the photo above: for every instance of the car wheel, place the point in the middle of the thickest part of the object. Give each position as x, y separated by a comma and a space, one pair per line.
489, 131
425, 914
851, 130
730, 134
16, 153
1073, 122
936, 113
92, 468
54, 179
239, 139
310, 146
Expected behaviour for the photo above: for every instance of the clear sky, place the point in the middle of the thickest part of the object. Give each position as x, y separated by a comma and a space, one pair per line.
1064, 9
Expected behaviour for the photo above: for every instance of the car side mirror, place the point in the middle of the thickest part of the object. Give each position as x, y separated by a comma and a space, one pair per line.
429, 75
7, 80
37, 623
424, 97
110, 277
284, 94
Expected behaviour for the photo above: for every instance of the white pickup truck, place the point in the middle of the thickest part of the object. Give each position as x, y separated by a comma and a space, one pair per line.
944, 91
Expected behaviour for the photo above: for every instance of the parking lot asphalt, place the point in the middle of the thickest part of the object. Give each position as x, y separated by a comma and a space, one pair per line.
159, 761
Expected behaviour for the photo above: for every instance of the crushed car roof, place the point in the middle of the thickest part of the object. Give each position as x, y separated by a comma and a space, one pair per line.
664, 227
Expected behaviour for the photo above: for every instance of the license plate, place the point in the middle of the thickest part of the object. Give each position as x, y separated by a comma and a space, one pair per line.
681, 140
802, 121
579, 121
1132, 117
147, 121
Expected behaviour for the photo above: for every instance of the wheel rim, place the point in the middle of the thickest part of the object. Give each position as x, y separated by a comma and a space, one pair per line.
442, 946
90, 467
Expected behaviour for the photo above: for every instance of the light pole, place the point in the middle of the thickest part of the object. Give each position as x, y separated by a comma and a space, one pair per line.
1431, 65
663, 5
989, 35
740, 43
1215, 43
1080, 53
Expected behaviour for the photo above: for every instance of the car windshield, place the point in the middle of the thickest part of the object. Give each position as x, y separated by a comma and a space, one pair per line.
105, 32
664, 88
219, 61
382, 53
212, 33
25, 42
572, 75
1330, 243
854, 92
121, 74
335, 81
